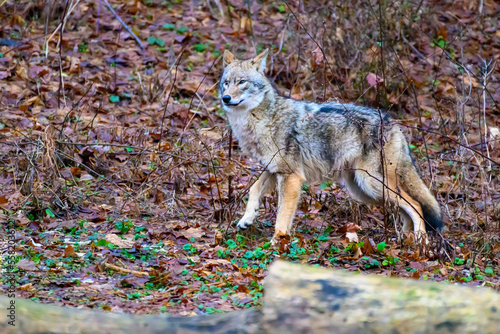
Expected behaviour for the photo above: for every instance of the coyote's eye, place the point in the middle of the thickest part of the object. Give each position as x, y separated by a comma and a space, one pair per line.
226, 83
242, 82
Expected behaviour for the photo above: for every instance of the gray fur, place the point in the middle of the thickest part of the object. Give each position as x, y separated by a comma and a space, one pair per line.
304, 142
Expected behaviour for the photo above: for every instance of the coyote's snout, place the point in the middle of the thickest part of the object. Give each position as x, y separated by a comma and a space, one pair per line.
300, 142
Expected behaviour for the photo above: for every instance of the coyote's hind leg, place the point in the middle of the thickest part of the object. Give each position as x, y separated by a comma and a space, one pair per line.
367, 187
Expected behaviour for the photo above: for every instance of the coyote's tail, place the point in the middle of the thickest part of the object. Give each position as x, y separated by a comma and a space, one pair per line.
432, 216
431, 211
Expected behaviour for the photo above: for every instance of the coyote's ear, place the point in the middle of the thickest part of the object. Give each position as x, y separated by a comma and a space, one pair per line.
259, 62
228, 58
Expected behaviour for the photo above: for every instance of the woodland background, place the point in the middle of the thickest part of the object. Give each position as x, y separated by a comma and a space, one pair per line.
117, 172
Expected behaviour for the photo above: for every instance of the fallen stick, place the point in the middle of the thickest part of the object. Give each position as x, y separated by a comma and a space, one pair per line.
124, 24
124, 270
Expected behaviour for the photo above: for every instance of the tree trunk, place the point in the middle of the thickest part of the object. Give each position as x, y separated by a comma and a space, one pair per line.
298, 299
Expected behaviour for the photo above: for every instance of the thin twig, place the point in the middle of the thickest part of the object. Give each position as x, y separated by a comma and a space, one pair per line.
196, 91
124, 24
60, 26
381, 130
230, 178
61, 82
312, 39
455, 141
168, 99
98, 17
75, 106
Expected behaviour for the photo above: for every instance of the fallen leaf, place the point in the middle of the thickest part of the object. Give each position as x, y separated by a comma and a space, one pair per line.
192, 233
26, 287
116, 240
86, 177
69, 251
26, 265
373, 79
494, 133
368, 248
352, 237
4, 75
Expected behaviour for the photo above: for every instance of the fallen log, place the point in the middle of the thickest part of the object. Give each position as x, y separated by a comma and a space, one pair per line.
33, 318
302, 299
298, 299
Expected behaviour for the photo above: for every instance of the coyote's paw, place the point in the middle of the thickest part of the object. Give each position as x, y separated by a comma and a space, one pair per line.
423, 239
417, 238
281, 240
274, 241
244, 224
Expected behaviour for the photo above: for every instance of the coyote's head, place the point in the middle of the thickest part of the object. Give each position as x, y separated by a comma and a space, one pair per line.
243, 84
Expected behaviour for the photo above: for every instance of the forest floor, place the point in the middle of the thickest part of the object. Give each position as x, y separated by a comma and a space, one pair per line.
118, 187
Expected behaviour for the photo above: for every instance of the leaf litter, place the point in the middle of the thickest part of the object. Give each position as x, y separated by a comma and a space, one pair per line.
115, 168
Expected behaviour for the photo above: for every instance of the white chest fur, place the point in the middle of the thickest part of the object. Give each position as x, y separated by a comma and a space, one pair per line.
256, 139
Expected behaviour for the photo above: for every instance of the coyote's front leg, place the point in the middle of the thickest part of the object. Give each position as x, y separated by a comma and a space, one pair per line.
262, 186
289, 188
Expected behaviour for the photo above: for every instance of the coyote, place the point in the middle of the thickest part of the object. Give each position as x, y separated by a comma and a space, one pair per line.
299, 142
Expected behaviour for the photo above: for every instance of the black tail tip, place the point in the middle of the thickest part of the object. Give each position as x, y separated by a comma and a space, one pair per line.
432, 219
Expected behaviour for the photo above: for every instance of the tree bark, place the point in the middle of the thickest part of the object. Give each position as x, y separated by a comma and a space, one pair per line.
298, 299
